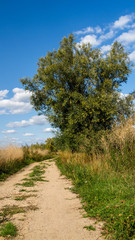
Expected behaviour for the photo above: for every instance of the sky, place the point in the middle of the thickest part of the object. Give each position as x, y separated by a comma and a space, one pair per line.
31, 28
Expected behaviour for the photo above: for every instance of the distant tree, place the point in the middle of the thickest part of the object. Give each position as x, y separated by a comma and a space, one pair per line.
77, 87
50, 144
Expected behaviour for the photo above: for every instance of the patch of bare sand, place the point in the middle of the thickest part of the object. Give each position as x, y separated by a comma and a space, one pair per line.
59, 213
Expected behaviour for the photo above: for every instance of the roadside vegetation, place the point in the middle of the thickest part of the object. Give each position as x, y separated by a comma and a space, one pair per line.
13, 158
105, 179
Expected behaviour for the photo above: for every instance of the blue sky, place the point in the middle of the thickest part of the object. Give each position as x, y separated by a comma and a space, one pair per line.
28, 29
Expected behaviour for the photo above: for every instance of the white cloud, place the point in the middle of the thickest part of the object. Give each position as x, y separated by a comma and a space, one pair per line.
123, 21
127, 37
132, 56
108, 35
9, 131
114, 31
3, 112
84, 31
18, 104
35, 120
98, 29
28, 134
92, 39
48, 130
3, 93
105, 48
20, 95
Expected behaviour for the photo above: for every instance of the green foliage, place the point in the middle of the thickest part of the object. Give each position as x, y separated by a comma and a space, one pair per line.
50, 144
77, 87
106, 196
8, 229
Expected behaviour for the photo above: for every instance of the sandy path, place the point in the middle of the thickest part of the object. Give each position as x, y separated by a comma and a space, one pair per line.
59, 213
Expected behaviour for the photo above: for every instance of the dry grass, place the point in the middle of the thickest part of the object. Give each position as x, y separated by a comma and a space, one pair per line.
120, 141
120, 135
96, 162
10, 154
39, 151
13, 158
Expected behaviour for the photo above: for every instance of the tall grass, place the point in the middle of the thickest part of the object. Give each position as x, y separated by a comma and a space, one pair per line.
13, 158
10, 154
105, 179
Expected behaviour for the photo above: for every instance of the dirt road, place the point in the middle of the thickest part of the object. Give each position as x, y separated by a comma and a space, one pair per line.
51, 210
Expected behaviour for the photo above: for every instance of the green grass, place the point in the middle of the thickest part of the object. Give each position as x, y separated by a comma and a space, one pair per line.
34, 176
28, 183
106, 195
8, 229
23, 197
89, 228
8, 211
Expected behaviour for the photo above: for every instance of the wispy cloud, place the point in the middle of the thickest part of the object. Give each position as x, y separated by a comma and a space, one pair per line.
35, 120
48, 130
127, 37
3, 112
28, 134
123, 21
3, 93
132, 56
105, 48
84, 31
122, 30
9, 131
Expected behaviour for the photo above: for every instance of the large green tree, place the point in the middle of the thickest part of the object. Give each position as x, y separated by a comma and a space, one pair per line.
77, 87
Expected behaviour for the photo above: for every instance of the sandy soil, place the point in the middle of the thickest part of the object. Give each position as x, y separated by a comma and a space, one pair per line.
59, 213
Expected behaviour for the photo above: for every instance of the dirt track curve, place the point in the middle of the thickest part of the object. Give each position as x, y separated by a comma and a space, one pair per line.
58, 215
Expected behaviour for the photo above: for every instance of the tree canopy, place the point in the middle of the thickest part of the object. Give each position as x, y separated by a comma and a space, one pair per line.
77, 87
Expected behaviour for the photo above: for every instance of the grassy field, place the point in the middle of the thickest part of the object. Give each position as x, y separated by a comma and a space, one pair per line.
13, 158
105, 180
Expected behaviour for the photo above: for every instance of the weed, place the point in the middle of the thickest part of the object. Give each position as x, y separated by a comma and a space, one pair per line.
28, 183
9, 211
8, 229
89, 228
22, 190
23, 197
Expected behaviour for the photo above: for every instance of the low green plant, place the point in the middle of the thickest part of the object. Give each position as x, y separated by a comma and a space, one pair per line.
89, 228
8, 229
106, 195
23, 197
34, 176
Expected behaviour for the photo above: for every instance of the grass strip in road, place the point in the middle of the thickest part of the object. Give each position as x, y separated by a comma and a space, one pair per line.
35, 176
24, 197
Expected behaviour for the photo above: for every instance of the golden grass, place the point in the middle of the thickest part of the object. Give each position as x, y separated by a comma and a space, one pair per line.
10, 154
14, 153
120, 136
39, 151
